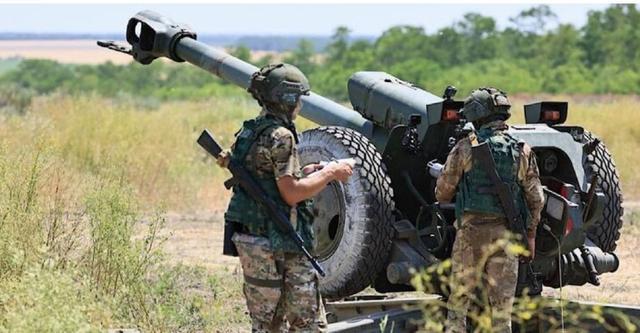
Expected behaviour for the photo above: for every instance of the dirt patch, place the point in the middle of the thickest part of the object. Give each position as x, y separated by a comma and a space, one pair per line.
196, 239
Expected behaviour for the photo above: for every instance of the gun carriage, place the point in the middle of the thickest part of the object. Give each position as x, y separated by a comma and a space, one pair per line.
384, 221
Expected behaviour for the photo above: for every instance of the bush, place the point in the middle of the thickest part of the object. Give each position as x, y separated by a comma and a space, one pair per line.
15, 99
528, 311
77, 253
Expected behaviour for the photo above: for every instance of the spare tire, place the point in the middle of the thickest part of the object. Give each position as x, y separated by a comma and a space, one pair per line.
600, 162
353, 220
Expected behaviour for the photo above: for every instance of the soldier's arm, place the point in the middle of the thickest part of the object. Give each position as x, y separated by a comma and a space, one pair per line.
292, 188
529, 178
454, 167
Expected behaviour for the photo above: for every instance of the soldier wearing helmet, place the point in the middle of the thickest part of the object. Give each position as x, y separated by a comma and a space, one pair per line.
280, 285
480, 217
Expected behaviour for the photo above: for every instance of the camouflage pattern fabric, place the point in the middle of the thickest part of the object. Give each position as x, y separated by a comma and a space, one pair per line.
275, 154
281, 288
266, 145
475, 266
460, 161
476, 233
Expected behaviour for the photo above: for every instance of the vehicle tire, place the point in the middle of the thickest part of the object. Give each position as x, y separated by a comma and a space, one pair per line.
353, 220
600, 162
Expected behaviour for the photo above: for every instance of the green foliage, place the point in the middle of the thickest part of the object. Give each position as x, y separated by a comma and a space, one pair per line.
15, 99
241, 52
159, 81
302, 57
534, 19
8, 64
534, 55
46, 300
529, 57
529, 312
80, 231
40, 75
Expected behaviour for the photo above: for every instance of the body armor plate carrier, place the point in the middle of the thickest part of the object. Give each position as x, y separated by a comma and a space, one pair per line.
253, 217
475, 191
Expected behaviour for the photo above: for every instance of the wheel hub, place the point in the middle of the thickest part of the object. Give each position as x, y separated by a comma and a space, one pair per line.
328, 224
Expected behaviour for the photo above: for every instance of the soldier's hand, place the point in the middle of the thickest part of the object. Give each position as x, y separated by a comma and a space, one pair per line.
311, 168
532, 247
224, 158
340, 171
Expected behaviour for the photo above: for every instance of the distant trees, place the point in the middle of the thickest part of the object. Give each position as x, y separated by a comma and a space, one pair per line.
534, 54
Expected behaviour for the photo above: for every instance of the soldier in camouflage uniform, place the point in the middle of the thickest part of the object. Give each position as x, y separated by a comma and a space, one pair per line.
480, 218
280, 285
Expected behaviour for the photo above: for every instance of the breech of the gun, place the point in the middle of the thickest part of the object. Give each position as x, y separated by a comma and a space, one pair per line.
577, 267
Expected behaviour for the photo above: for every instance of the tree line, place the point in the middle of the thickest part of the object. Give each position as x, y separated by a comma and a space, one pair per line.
534, 54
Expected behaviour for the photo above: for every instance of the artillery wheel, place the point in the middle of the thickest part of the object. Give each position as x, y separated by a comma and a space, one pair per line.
353, 221
600, 162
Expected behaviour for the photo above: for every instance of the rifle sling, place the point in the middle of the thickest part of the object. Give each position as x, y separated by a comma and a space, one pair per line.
482, 154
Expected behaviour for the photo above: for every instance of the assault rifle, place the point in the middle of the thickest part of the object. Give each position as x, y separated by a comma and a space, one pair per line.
482, 154
246, 181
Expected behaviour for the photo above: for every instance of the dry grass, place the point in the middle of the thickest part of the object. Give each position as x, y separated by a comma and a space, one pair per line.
152, 149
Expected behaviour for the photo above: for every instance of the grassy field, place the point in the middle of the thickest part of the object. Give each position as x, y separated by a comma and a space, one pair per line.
110, 212
152, 147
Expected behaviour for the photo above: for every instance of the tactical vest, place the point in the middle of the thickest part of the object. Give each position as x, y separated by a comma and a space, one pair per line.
474, 194
251, 214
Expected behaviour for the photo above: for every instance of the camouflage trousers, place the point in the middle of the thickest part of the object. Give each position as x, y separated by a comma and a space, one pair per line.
483, 275
281, 288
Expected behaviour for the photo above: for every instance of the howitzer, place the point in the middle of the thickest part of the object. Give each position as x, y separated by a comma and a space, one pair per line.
246, 181
379, 225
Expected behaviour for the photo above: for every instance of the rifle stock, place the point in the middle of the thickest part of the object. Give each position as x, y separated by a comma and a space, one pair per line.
482, 154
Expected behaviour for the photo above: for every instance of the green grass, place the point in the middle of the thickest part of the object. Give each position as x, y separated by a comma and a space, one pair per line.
8, 64
82, 186
84, 182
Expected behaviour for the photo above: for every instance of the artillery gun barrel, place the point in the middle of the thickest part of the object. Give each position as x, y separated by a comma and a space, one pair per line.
316, 108
152, 35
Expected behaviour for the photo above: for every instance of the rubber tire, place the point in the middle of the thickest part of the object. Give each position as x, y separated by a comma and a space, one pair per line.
606, 234
365, 241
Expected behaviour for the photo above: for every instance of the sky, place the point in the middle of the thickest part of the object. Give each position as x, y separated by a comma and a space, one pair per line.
266, 19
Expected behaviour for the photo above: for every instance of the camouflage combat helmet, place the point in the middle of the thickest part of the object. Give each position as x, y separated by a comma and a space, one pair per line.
278, 86
484, 102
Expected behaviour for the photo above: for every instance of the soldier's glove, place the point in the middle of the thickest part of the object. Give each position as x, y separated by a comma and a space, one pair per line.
223, 158
435, 168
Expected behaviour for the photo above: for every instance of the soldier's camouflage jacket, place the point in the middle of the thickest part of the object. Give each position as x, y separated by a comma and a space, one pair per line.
460, 162
266, 146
